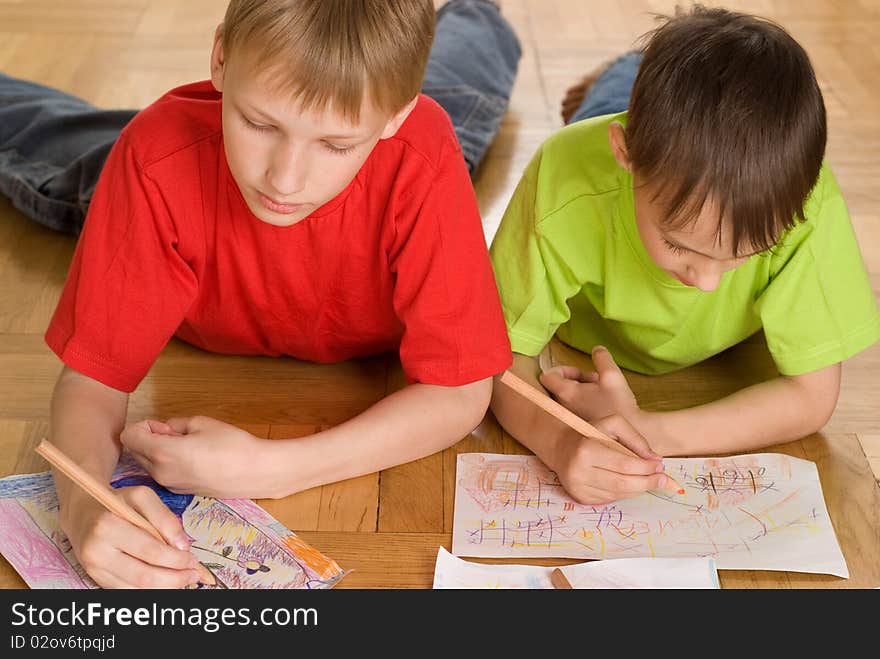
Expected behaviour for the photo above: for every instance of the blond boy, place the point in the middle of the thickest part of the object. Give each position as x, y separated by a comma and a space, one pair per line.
308, 201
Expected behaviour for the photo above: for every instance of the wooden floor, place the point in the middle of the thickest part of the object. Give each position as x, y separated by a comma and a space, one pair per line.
125, 53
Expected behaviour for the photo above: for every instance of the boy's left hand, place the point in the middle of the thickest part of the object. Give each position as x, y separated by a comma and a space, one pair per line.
201, 455
592, 395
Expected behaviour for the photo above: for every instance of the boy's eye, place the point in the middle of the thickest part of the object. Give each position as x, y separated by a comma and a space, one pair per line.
675, 249
340, 150
257, 127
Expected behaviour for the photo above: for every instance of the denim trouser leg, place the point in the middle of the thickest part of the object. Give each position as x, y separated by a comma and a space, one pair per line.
52, 148
611, 91
471, 70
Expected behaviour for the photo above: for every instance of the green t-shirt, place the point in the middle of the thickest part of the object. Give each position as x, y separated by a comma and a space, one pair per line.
569, 261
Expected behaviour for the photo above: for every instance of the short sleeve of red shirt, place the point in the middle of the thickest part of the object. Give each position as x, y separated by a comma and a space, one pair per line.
127, 289
445, 293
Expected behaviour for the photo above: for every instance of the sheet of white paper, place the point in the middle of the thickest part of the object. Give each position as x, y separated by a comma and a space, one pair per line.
750, 512
690, 573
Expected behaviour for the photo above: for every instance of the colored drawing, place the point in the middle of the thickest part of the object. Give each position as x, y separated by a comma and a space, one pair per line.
238, 541
452, 572
762, 512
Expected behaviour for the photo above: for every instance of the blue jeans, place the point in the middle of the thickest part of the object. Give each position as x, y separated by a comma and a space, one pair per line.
470, 72
53, 145
611, 91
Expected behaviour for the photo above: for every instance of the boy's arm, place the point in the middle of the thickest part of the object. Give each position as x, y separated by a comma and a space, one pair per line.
779, 410
209, 457
590, 472
528, 424
86, 418
409, 424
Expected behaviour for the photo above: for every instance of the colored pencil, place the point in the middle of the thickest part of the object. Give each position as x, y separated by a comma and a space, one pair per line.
107, 497
559, 580
573, 421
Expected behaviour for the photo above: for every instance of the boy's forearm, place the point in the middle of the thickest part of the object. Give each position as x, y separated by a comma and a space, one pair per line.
409, 424
86, 419
526, 422
762, 415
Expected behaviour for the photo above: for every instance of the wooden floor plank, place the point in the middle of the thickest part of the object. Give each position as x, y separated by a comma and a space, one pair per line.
411, 499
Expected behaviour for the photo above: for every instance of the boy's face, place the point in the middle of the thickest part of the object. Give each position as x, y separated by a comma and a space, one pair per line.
693, 254
696, 254
288, 162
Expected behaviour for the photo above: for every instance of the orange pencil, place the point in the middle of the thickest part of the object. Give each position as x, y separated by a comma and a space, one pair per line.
573, 421
107, 497
559, 580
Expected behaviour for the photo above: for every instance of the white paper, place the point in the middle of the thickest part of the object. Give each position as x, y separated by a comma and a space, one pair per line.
749, 512
688, 573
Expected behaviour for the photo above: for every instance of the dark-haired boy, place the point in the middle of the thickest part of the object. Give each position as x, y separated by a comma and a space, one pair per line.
671, 232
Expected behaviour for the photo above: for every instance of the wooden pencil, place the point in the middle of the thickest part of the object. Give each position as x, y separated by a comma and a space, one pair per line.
573, 421
107, 497
559, 580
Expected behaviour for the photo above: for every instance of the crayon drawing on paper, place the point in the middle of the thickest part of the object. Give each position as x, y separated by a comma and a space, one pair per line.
242, 545
762, 511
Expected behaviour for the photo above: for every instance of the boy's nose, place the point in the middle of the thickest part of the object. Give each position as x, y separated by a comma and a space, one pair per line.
707, 277
287, 175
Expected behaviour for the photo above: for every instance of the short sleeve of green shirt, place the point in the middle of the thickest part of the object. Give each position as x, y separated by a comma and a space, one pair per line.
536, 287
818, 307
550, 242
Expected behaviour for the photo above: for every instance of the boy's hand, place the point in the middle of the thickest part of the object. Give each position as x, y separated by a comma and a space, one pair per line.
592, 395
117, 554
592, 473
203, 456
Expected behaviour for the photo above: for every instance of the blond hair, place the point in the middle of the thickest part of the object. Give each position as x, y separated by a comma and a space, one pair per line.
330, 52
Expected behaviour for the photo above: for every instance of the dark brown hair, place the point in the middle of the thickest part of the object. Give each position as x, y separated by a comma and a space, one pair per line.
330, 52
726, 106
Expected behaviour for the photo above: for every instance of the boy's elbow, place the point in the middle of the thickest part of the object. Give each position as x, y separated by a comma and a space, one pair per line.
814, 420
822, 414
820, 391
828, 402
475, 401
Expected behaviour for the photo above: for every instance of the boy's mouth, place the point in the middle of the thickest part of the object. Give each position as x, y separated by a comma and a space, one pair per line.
683, 280
276, 207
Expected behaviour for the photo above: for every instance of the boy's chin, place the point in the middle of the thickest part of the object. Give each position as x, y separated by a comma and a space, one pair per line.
284, 220
278, 219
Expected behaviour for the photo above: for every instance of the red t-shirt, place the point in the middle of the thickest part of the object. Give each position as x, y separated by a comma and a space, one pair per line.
396, 260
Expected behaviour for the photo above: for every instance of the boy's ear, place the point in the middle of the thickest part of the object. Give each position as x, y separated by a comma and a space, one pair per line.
617, 139
397, 120
218, 60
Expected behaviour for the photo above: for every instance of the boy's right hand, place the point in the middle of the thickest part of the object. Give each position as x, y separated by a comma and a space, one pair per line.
117, 554
592, 473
